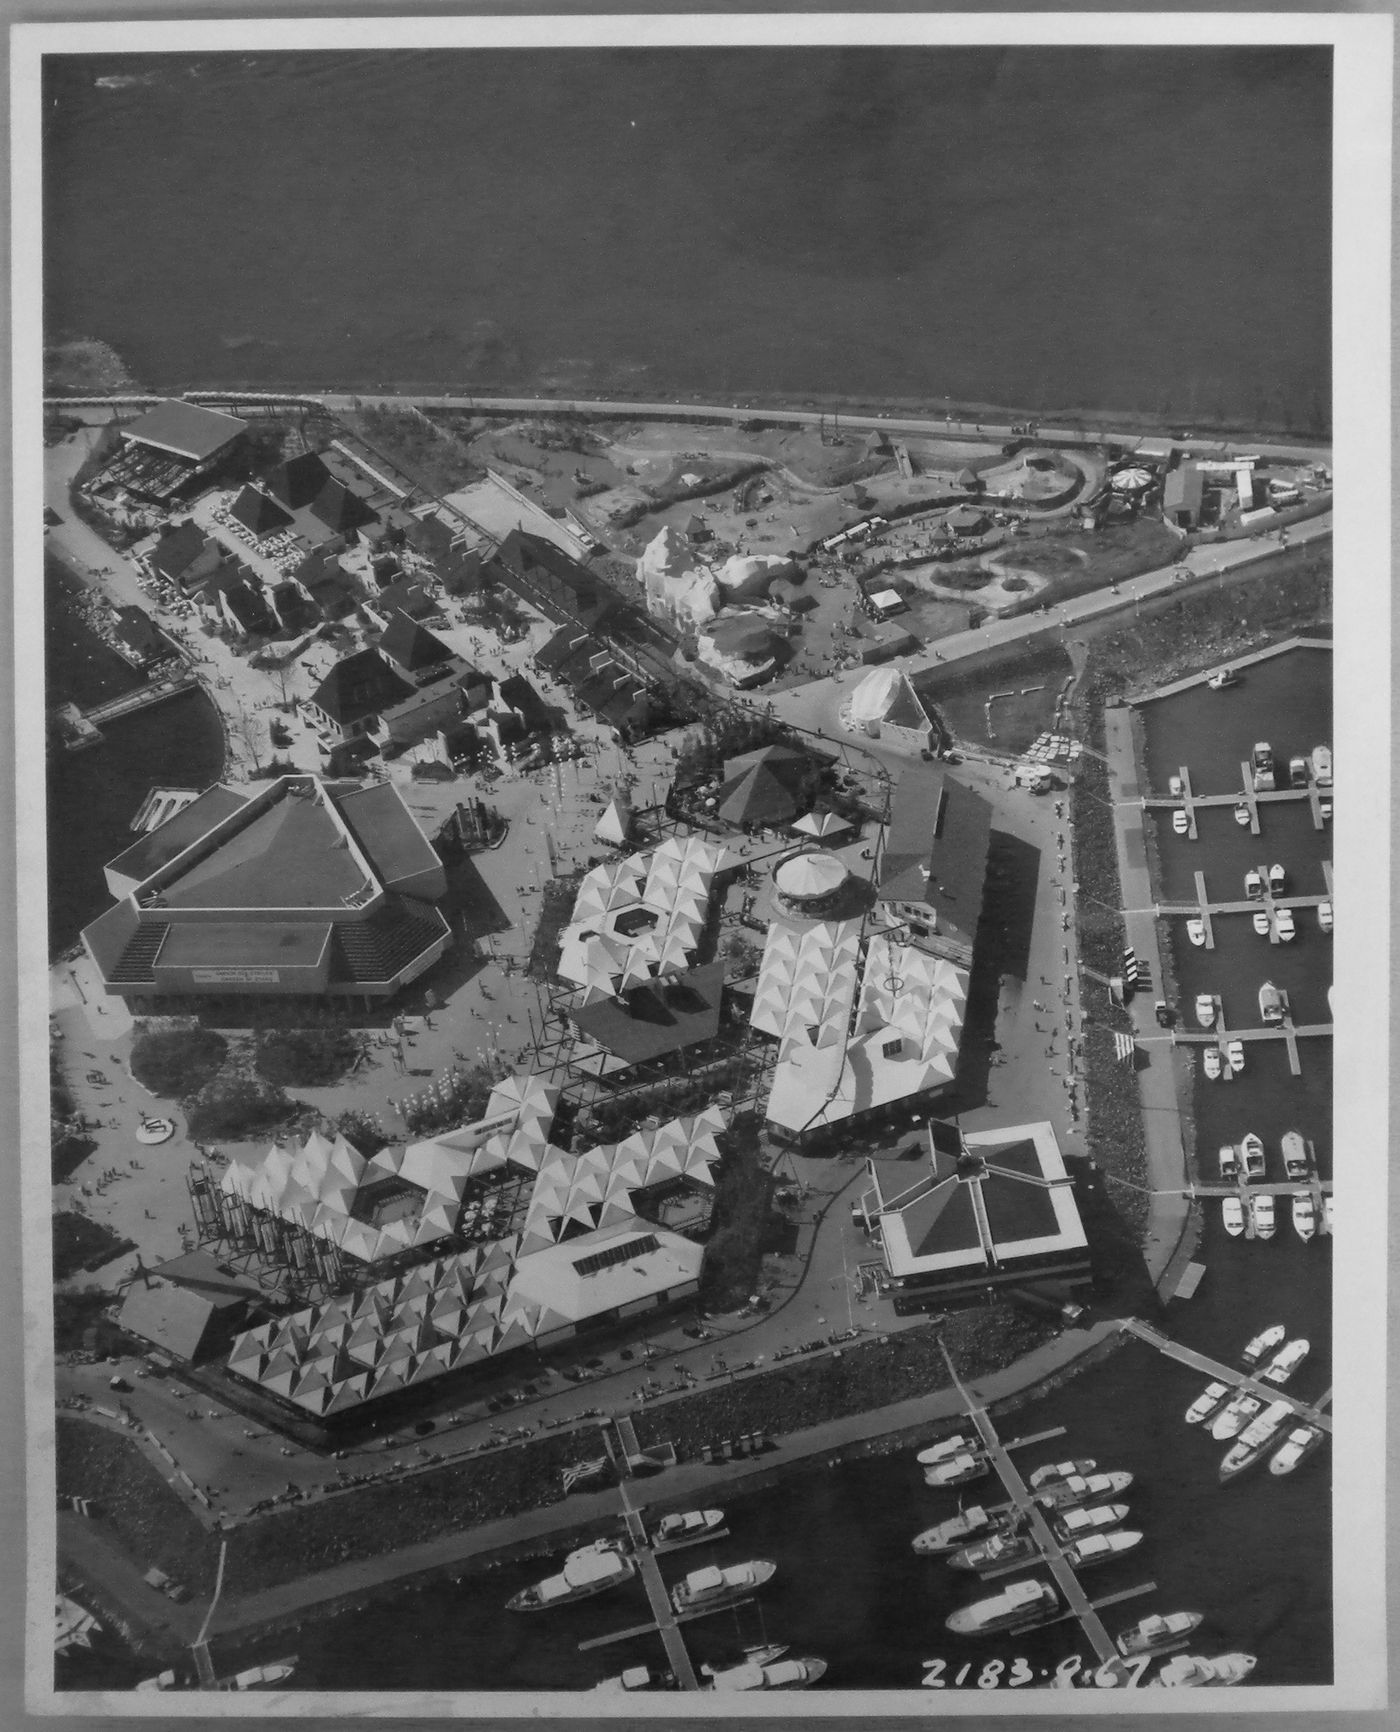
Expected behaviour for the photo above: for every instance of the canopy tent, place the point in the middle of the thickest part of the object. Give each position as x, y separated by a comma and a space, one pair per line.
822, 824
810, 877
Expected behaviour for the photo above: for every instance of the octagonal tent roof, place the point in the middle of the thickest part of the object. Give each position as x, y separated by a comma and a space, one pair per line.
810, 875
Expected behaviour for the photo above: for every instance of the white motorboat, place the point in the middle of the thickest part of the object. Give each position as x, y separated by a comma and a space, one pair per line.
1016, 1607
1296, 1448
1083, 1488
969, 1524
1205, 1009
635, 1678
1264, 1342
1160, 1630
1273, 1003
1322, 766
1259, 920
945, 1448
1252, 1154
1327, 1214
1233, 1418
1256, 1438
1101, 1548
1207, 1403
1262, 757
1055, 1471
712, 1586
1285, 1362
1196, 930
1082, 1520
588, 1571
1283, 924
1253, 884
687, 1524
265, 1677
1324, 916
1242, 813
957, 1470
795, 1674
1232, 1213
1180, 822
1210, 1063
1298, 772
1191, 1671
1234, 1056
1222, 678
1278, 880
1295, 1155
1262, 1208
1324, 809
1229, 1161
1175, 787
1304, 1215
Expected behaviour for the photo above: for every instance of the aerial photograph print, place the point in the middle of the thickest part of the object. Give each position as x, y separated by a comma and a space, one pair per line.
684, 862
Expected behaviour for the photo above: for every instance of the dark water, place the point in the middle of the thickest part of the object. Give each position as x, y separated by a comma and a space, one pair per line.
1096, 228
1251, 1556
93, 795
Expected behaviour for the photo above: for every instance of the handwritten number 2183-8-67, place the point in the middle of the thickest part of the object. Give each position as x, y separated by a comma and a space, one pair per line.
992, 1674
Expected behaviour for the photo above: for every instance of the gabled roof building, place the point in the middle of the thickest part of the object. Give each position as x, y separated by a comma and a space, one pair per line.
934, 866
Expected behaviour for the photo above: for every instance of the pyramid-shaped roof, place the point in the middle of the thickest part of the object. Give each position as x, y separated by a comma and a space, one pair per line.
765, 787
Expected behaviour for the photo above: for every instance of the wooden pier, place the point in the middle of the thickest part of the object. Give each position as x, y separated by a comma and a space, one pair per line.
142, 698
1205, 910
1190, 802
1310, 1412
1287, 1031
1052, 1552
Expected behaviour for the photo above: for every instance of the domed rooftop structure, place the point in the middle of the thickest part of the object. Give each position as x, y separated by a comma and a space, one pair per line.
810, 877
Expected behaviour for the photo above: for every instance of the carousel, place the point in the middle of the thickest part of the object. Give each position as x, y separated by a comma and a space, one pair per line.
810, 884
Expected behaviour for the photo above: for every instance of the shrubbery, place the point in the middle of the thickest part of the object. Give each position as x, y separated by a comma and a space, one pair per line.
177, 1061
237, 1107
304, 1057
79, 1242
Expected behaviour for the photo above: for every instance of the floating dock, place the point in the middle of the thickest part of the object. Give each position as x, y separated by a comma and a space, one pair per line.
1309, 1411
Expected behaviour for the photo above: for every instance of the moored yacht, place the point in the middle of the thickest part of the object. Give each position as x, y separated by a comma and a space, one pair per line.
1234, 1056
1252, 1154
1190, 1671
1295, 1155
1324, 916
794, 1674
1207, 1403
712, 1586
1260, 922
1278, 880
1180, 822
1253, 884
957, 1470
1298, 772
1017, 1606
1262, 1209
1242, 813
1101, 1548
1210, 1063
1233, 1418
1285, 1362
1221, 678
1273, 1002
1159, 1630
688, 1524
1229, 1161
588, 1571
1232, 1214
1296, 1448
969, 1524
1205, 1009
1077, 1522
1082, 1488
1266, 1341
1175, 787
1257, 1437
947, 1447
1322, 766
636, 1678
993, 1553
1055, 1471
1304, 1215
1327, 1214
1196, 930
1283, 923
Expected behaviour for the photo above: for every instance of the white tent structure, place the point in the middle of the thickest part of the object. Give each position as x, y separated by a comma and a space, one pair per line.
639, 918
615, 825
810, 877
821, 824
855, 1033
886, 706
583, 1250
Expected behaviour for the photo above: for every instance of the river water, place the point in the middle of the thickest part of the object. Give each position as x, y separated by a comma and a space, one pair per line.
1046, 228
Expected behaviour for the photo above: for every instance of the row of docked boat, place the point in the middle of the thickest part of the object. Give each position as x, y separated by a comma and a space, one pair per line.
1246, 1159
1259, 877
608, 1563
1263, 1216
1253, 1424
1273, 1006
762, 1666
1223, 1063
